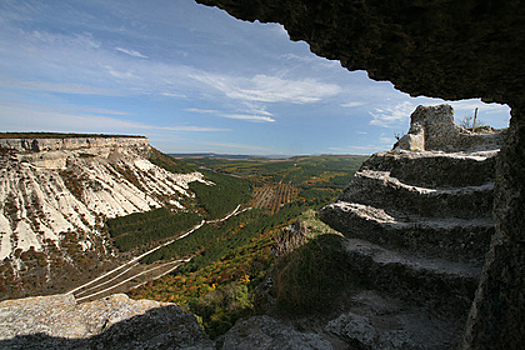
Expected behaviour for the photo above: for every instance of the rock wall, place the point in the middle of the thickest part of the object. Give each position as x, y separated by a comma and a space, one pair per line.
447, 49
72, 143
432, 226
497, 317
433, 129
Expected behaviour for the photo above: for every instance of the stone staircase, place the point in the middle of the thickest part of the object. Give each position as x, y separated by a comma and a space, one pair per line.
417, 225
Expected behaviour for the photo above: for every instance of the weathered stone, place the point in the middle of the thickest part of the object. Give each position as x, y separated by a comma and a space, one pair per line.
266, 333
497, 316
437, 169
452, 239
421, 242
447, 287
433, 129
380, 323
413, 141
379, 188
115, 322
73, 143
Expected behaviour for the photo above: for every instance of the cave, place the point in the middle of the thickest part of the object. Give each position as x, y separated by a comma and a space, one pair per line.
447, 49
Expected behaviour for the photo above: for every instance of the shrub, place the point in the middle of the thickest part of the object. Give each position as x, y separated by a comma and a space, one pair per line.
312, 277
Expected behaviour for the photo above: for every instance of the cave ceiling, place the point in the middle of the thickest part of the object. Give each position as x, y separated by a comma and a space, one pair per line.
448, 49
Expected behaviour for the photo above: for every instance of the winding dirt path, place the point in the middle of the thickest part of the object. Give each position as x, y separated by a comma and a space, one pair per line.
132, 274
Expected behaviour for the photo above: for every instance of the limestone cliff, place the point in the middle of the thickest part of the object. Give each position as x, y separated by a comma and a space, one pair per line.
71, 142
55, 195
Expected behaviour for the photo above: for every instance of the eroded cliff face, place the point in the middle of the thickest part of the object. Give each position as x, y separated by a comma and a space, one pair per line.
55, 195
448, 49
73, 143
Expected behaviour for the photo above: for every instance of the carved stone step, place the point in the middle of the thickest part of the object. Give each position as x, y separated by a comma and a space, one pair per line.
454, 239
435, 169
380, 189
440, 284
377, 321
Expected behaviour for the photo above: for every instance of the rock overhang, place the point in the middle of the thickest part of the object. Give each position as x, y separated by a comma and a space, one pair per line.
448, 49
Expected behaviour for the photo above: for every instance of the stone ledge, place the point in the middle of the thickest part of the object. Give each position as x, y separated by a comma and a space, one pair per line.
115, 322
455, 239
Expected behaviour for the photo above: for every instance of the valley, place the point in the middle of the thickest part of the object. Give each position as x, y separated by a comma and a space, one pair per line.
138, 221
266, 247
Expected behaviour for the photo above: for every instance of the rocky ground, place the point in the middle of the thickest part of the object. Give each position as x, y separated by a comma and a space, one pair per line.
115, 322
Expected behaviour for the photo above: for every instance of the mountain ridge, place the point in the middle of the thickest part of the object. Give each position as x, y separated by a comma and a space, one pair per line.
56, 194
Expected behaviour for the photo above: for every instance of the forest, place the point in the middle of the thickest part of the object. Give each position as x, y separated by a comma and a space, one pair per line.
298, 170
231, 258
227, 193
143, 229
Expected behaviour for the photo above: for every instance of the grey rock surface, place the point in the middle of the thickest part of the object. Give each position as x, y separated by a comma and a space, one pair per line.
267, 333
433, 129
386, 324
115, 322
418, 225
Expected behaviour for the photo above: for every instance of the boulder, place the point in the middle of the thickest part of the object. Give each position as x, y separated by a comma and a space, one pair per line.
114, 322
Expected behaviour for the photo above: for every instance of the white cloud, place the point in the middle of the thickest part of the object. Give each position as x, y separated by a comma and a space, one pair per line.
103, 111
172, 94
353, 104
202, 111
120, 74
367, 149
471, 105
63, 88
279, 29
311, 61
252, 116
385, 140
187, 128
392, 116
242, 147
269, 89
76, 41
249, 117
102, 70
133, 53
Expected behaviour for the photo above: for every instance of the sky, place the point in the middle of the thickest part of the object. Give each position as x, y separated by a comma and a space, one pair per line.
192, 79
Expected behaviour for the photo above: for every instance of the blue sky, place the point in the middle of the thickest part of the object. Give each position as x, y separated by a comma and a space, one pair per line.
192, 79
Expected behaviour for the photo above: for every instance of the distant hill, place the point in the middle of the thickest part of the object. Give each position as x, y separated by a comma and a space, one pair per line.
226, 156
